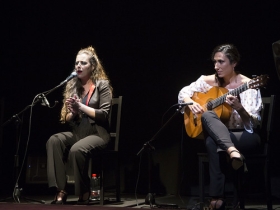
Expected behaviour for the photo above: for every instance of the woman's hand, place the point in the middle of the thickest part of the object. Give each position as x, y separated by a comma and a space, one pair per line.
234, 102
73, 104
196, 108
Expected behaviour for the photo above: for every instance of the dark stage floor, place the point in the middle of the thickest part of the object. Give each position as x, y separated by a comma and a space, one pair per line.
128, 201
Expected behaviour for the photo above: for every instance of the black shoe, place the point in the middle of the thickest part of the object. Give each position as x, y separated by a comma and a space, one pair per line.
63, 197
83, 202
238, 162
81, 197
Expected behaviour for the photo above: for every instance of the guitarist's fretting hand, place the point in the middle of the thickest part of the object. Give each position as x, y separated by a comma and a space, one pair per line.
234, 102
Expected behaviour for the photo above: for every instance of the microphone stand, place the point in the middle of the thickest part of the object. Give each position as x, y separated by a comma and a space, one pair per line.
150, 200
15, 118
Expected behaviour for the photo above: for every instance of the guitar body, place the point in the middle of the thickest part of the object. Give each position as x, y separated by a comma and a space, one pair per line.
193, 123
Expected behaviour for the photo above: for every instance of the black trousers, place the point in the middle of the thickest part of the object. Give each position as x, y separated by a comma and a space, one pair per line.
217, 140
64, 147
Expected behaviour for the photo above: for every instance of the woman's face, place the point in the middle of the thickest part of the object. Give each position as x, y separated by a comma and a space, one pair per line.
83, 66
222, 65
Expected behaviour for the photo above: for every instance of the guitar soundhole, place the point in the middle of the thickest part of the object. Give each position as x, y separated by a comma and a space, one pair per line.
195, 120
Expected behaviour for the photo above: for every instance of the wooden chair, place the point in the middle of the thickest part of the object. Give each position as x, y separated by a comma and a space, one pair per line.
109, 157
266, 126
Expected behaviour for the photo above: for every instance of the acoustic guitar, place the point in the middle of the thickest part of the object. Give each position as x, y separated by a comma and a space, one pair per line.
214, 100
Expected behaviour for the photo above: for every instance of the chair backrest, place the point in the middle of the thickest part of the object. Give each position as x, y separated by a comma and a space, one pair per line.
115, 121
267, 115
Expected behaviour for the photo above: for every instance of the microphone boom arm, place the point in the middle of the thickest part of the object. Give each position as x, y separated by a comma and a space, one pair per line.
147, 144
39, 98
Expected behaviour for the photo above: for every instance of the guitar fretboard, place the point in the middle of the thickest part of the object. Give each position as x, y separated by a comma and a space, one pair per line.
220, 100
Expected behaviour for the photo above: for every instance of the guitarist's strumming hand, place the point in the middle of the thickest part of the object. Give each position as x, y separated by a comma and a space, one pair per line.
196, 108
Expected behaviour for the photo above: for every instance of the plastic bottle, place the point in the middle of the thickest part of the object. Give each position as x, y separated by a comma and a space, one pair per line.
95, 187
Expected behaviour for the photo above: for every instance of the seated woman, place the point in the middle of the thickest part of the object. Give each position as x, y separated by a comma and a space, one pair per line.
236, 135
87, 103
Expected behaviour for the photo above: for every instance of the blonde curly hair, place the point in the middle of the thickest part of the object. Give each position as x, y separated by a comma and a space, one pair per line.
74, 86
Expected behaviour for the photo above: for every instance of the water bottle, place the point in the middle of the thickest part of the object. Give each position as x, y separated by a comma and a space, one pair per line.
95, 187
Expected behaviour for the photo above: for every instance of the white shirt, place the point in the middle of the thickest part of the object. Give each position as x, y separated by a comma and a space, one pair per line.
250, 99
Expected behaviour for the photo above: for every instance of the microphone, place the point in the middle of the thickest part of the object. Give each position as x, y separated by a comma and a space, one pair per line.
71, 76
45, 101
184, 104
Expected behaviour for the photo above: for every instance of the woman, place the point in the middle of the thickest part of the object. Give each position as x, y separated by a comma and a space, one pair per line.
234, 136
87, 103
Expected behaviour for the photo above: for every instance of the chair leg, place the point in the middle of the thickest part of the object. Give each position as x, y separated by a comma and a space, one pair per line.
239, 195
101, 196
201, 183
118, 187
268, 184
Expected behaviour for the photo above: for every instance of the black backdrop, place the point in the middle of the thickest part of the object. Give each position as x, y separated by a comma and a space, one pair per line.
150, 50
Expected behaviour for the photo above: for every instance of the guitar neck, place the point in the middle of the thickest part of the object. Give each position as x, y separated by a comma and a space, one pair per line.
220, 100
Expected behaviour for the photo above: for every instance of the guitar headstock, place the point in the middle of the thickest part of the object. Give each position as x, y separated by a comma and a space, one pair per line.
258, 81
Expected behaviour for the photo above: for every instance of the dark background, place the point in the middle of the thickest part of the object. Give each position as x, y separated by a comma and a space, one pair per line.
150, 50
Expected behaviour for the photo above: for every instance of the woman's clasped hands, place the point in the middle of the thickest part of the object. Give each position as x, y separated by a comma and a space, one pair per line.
73, 104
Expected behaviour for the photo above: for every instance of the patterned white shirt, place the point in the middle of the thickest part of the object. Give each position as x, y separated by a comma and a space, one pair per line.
250, 99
